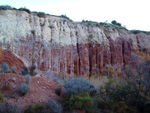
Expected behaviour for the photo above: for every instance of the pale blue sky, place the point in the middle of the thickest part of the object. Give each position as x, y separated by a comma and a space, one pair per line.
134, 14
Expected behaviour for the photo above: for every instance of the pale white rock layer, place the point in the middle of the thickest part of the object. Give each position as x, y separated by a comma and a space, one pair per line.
14, 25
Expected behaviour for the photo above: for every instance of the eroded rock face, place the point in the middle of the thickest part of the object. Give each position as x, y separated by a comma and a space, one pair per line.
57, 44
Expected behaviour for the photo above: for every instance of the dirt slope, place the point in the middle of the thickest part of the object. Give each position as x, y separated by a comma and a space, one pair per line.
41, 90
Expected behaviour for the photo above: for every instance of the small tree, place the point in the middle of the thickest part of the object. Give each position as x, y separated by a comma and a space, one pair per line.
114, 22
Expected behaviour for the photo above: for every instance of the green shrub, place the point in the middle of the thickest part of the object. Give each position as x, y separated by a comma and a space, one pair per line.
91, 35
35, 109
5, 68
76, 86
54, 107
1, 97
23, 89
76, 94
8, 108
139, 31
64, 16
24, 71
116, 23
41, 14
122, 91
24, 9
116, 92
91, 23
33, 32
51, 107
32, 70
6, 7
27, 78
28, 70
80, 101
13, 69
93, 90
113, 106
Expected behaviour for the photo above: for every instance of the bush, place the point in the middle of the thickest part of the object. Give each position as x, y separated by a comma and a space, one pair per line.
115, 93
25, 9
76, 86
27, 77
33, 32
13, 69
32, 70
54, 107
64, 16
114, 107
24, 71
35, 109
93, 91
122, 90
1, 97
80, 101
139, 31
94, 106
5, 68
91, 35
116, 23
6, 7
28, 70
23, 89
41, 14
8, 108
76, 94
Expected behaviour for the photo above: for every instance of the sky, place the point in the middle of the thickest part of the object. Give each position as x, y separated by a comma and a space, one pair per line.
133, 14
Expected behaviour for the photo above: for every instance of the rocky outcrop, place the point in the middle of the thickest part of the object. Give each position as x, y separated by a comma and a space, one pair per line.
57, 44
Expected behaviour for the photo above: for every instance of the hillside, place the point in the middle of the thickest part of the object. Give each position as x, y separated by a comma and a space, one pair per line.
41, 90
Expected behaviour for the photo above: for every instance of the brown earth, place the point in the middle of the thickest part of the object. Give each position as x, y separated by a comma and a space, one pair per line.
41, 90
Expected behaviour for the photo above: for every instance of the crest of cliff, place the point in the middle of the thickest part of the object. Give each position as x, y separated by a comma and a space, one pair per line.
55, 43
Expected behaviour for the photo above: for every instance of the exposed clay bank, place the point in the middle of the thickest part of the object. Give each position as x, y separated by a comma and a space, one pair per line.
57, 44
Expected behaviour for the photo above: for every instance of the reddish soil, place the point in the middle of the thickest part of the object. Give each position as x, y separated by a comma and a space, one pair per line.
41, 90
11, 59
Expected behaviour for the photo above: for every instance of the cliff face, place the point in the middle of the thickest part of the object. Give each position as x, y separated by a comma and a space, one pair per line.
57, 44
